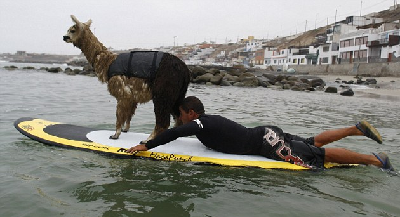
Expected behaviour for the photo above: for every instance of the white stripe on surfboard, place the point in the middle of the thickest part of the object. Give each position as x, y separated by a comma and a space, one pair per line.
181, 146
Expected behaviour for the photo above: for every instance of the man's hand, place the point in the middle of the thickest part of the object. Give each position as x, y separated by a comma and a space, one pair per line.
137, 148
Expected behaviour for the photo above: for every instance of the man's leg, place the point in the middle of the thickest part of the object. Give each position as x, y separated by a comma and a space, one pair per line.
329, 136
363, 128
344, 156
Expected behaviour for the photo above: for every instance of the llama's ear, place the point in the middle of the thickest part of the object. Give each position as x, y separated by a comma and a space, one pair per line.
88, 23
74, 19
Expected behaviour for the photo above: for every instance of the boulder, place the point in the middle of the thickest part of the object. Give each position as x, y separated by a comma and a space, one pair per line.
305, 80
348, 92
28, 67
271, 78
69, 71
331, 89
224, 82
214, 71
296, 88
10, 67
230, 77
371, 81
235, 72
250, 82
262, 81
84, 72
238, 84
203, 78
292, 78
280, 78
245, 76
54, 69
198, 71
216, 79
286, 86
301, 86
317, 82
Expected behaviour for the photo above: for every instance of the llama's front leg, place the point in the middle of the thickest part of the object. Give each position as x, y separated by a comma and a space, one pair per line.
121, 118
129, 118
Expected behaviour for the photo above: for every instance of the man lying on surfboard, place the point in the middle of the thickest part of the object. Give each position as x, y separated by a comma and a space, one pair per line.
227, 136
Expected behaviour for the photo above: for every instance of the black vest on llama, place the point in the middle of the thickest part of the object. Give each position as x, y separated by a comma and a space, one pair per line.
140, 64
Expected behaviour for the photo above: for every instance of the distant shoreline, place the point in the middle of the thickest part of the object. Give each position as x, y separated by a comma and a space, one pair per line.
386, 86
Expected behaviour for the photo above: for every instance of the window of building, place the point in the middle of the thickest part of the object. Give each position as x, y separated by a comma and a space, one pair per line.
346, 55
325, 60
361, 40
294, 60
360, 54
303, 60
347, 43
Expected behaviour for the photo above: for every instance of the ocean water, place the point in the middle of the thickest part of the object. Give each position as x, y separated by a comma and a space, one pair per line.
41, 180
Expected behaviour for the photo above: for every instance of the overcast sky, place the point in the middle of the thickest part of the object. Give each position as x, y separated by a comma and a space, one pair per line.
37, 26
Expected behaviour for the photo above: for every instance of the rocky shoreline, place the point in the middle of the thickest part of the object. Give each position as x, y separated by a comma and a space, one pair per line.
241, 77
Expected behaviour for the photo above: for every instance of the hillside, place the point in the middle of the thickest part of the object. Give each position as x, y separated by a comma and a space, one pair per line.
310, 37
389, 16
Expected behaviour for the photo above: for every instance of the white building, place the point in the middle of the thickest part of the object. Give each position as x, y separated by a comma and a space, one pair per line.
353, 46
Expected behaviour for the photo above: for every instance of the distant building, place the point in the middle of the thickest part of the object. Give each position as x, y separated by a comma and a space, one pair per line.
21, 53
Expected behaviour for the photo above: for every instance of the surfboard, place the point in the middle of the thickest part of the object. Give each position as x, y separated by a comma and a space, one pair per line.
96, 140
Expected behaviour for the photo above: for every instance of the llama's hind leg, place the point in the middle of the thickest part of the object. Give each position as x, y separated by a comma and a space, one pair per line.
129, 118
162, 110
177, 120
122, 114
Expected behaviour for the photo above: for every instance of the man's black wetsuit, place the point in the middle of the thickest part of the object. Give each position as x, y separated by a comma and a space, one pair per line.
227, 136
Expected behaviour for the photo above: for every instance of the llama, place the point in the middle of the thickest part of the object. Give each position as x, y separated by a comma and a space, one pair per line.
166, 83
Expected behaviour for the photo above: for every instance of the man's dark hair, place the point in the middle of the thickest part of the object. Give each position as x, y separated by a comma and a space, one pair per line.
192, 103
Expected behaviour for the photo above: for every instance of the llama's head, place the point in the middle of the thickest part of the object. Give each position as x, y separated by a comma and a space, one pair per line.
75, 31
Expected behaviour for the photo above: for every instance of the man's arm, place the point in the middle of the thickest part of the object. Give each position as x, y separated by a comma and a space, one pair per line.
167, 136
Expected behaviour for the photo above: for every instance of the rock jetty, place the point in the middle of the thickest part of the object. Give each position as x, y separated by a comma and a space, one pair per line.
241, 77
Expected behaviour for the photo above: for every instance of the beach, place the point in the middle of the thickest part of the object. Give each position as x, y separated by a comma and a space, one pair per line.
385, 87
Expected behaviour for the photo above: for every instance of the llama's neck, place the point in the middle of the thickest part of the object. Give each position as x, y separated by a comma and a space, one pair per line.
96, 53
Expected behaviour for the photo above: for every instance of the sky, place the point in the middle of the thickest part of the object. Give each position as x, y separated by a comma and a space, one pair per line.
37, 26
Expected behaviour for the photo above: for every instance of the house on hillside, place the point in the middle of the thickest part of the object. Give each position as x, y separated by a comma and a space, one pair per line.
303, 56
371, 45
269, 51
259, 58
384, 47
353, 47
280, 57
362, 20
328, 54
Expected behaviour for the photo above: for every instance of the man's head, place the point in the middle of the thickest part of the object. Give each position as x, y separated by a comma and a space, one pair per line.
191, 108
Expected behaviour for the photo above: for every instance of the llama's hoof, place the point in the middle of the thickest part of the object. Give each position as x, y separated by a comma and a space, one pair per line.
144, 142
113, 137
124, 131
